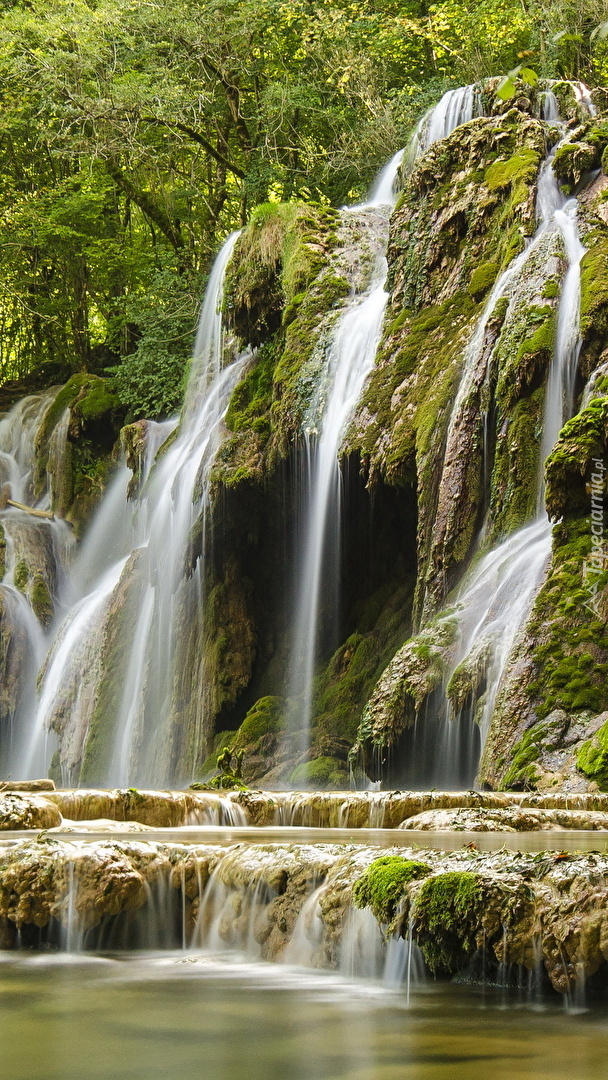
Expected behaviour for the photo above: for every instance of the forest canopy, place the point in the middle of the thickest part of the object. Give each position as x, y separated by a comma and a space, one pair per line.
134, 136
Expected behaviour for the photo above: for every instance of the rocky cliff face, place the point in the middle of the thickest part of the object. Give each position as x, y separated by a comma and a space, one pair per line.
440, 463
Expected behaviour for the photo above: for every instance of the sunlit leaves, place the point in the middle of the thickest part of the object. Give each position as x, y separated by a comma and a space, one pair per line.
507, 88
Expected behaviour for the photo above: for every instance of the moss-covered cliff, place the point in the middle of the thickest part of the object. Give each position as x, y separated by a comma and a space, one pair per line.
440, 464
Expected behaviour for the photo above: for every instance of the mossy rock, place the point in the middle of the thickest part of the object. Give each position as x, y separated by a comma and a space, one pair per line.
570, 636
572, 160
482, 278
41, 600
592, 758
382, 885
570, 466
320, 774
522, 774
594, 297
264, 718
521, 166
446, 916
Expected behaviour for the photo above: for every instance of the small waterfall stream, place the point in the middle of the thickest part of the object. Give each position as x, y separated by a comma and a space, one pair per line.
134, 561
350, 361
496, 598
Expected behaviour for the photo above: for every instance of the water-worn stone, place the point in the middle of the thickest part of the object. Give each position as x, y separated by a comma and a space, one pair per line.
469, 911
513, 819
27, 812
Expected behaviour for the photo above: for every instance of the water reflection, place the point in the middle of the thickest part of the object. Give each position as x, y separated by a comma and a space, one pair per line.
542, 840
188, 1018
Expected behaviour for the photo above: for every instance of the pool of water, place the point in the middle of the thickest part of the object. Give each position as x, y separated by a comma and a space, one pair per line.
558, 840
208, 1018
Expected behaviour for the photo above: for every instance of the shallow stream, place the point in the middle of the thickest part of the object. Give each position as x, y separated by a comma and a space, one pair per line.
147, 1017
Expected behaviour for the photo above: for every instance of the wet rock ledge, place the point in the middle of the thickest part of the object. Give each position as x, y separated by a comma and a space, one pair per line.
432, 810
480, 915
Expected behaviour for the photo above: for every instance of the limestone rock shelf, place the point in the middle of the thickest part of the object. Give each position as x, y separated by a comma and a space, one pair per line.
470, 912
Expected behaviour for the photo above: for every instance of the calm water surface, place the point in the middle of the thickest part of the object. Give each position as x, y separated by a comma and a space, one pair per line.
170, 1018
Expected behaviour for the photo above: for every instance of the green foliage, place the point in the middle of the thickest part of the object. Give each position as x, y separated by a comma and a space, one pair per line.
132, 142
151, 383
507, 88
382, 885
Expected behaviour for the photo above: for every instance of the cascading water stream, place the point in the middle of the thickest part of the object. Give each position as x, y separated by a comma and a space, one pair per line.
495, 601
350, 361
30, 544
134, 562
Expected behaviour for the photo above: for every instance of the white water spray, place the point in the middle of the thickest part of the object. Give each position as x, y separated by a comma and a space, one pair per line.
143, 546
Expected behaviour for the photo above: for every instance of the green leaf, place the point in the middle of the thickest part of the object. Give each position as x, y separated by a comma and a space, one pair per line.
506, 89
529, 76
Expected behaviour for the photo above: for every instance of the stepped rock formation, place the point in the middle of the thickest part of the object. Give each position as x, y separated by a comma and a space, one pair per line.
501, 916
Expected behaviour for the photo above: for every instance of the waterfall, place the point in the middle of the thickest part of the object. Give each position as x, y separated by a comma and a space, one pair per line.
349, 362
456, 107
30, 546
496, 599
132, 597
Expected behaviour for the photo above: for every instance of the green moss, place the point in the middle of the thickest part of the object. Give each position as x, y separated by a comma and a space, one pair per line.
382, 885
572, 159
515, 476
320, 773
522, 774
274, 262
251, 400
543, 338
482, 278
415, 671
592, 758
570, 465
571, 657
521, 166
551, 289
21, 575
346, 683
446, 913
281, 289
41, 600
594, 295
223, 740
98, 399
264, 718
